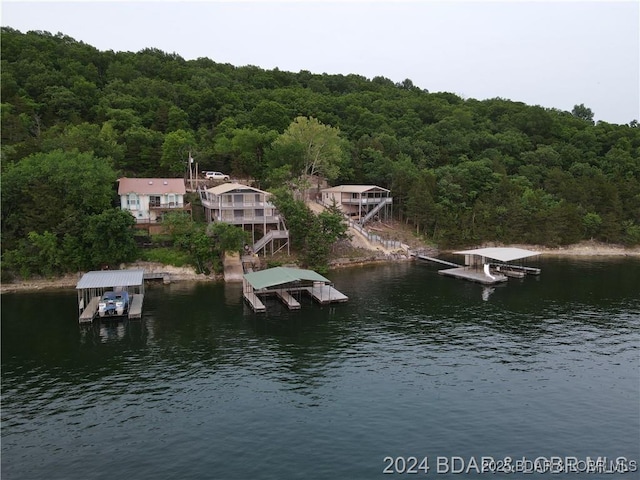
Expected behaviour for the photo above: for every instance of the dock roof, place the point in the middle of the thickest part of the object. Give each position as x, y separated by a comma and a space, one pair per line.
272, 277
111, 278
502, 254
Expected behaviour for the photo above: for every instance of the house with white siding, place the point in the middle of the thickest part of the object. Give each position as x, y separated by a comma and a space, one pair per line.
148, 199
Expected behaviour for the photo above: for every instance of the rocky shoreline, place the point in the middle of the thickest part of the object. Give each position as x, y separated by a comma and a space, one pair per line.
585, 250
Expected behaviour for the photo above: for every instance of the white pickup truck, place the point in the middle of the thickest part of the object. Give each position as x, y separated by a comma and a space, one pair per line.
216, 176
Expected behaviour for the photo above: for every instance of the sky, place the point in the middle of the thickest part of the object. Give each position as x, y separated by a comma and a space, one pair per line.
556, 54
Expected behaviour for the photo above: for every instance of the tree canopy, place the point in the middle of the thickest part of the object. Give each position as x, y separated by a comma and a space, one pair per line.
461, 171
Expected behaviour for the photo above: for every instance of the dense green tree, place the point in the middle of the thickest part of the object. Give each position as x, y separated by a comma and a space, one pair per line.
178, 149
228, 238
492, 169
109, 238
55, 192
321, 147
583, 113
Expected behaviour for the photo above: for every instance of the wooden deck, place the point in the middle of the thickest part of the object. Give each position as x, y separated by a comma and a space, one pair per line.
326, 294
473, 275
135, 308
288, 300
89, 313
255, 303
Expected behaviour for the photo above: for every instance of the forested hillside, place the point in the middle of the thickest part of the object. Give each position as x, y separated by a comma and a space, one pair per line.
461, 171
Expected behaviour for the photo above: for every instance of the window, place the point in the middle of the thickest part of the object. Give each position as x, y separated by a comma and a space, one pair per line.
132, 201
154, 200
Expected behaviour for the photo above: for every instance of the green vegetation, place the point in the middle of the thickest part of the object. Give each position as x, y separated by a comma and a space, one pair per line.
461, 171
311, 234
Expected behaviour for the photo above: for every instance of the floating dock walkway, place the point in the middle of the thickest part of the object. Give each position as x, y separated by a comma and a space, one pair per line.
326, 294
88, 314
473, 275
135, 307
288, 299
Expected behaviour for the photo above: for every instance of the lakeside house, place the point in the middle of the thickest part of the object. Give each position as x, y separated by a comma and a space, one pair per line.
249, 208
148, 199
362, 203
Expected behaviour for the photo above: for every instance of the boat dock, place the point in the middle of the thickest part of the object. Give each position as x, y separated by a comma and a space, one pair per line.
283, 282
480, 268
93, 285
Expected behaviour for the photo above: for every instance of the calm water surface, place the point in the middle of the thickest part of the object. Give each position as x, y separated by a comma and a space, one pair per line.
415, 364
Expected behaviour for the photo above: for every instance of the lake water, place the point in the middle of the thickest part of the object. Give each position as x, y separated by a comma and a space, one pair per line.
414, 365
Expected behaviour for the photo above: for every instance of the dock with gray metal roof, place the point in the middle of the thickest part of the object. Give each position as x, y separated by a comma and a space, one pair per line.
94, 284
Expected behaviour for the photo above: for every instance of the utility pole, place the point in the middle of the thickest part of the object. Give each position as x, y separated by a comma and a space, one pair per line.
190, 170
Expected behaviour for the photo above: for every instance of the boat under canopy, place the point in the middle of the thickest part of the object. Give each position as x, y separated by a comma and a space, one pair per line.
94, 284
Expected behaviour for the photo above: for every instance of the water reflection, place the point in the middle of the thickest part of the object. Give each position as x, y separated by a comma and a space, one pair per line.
486, 293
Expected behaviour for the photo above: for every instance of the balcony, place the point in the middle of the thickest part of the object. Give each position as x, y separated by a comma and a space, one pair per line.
247, 219
367, 201
169, 206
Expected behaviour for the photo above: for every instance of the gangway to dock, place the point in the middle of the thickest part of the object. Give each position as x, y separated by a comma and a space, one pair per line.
437, 260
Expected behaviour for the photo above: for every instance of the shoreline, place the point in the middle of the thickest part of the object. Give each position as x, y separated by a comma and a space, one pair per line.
585, 250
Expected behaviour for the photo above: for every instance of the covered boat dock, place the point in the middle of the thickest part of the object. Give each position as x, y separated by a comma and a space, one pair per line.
94, 284
286, 283
492, 265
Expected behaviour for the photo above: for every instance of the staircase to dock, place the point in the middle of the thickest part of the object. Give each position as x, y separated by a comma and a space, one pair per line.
272, 235
376, 209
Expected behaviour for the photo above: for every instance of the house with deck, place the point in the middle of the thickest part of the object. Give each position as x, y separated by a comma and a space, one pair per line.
148, 199
249, 208
362, 203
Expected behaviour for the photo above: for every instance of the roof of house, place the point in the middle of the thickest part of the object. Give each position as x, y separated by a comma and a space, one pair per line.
229, 187
148, 186
354, 188
111, 278
502, 254
272, 277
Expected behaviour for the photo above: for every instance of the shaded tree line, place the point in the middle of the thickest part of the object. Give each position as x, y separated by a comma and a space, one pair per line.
461, 171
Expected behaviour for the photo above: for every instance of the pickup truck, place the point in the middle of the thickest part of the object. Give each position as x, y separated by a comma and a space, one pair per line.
216, 176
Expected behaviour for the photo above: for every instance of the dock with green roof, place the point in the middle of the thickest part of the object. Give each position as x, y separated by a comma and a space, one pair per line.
285, 283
